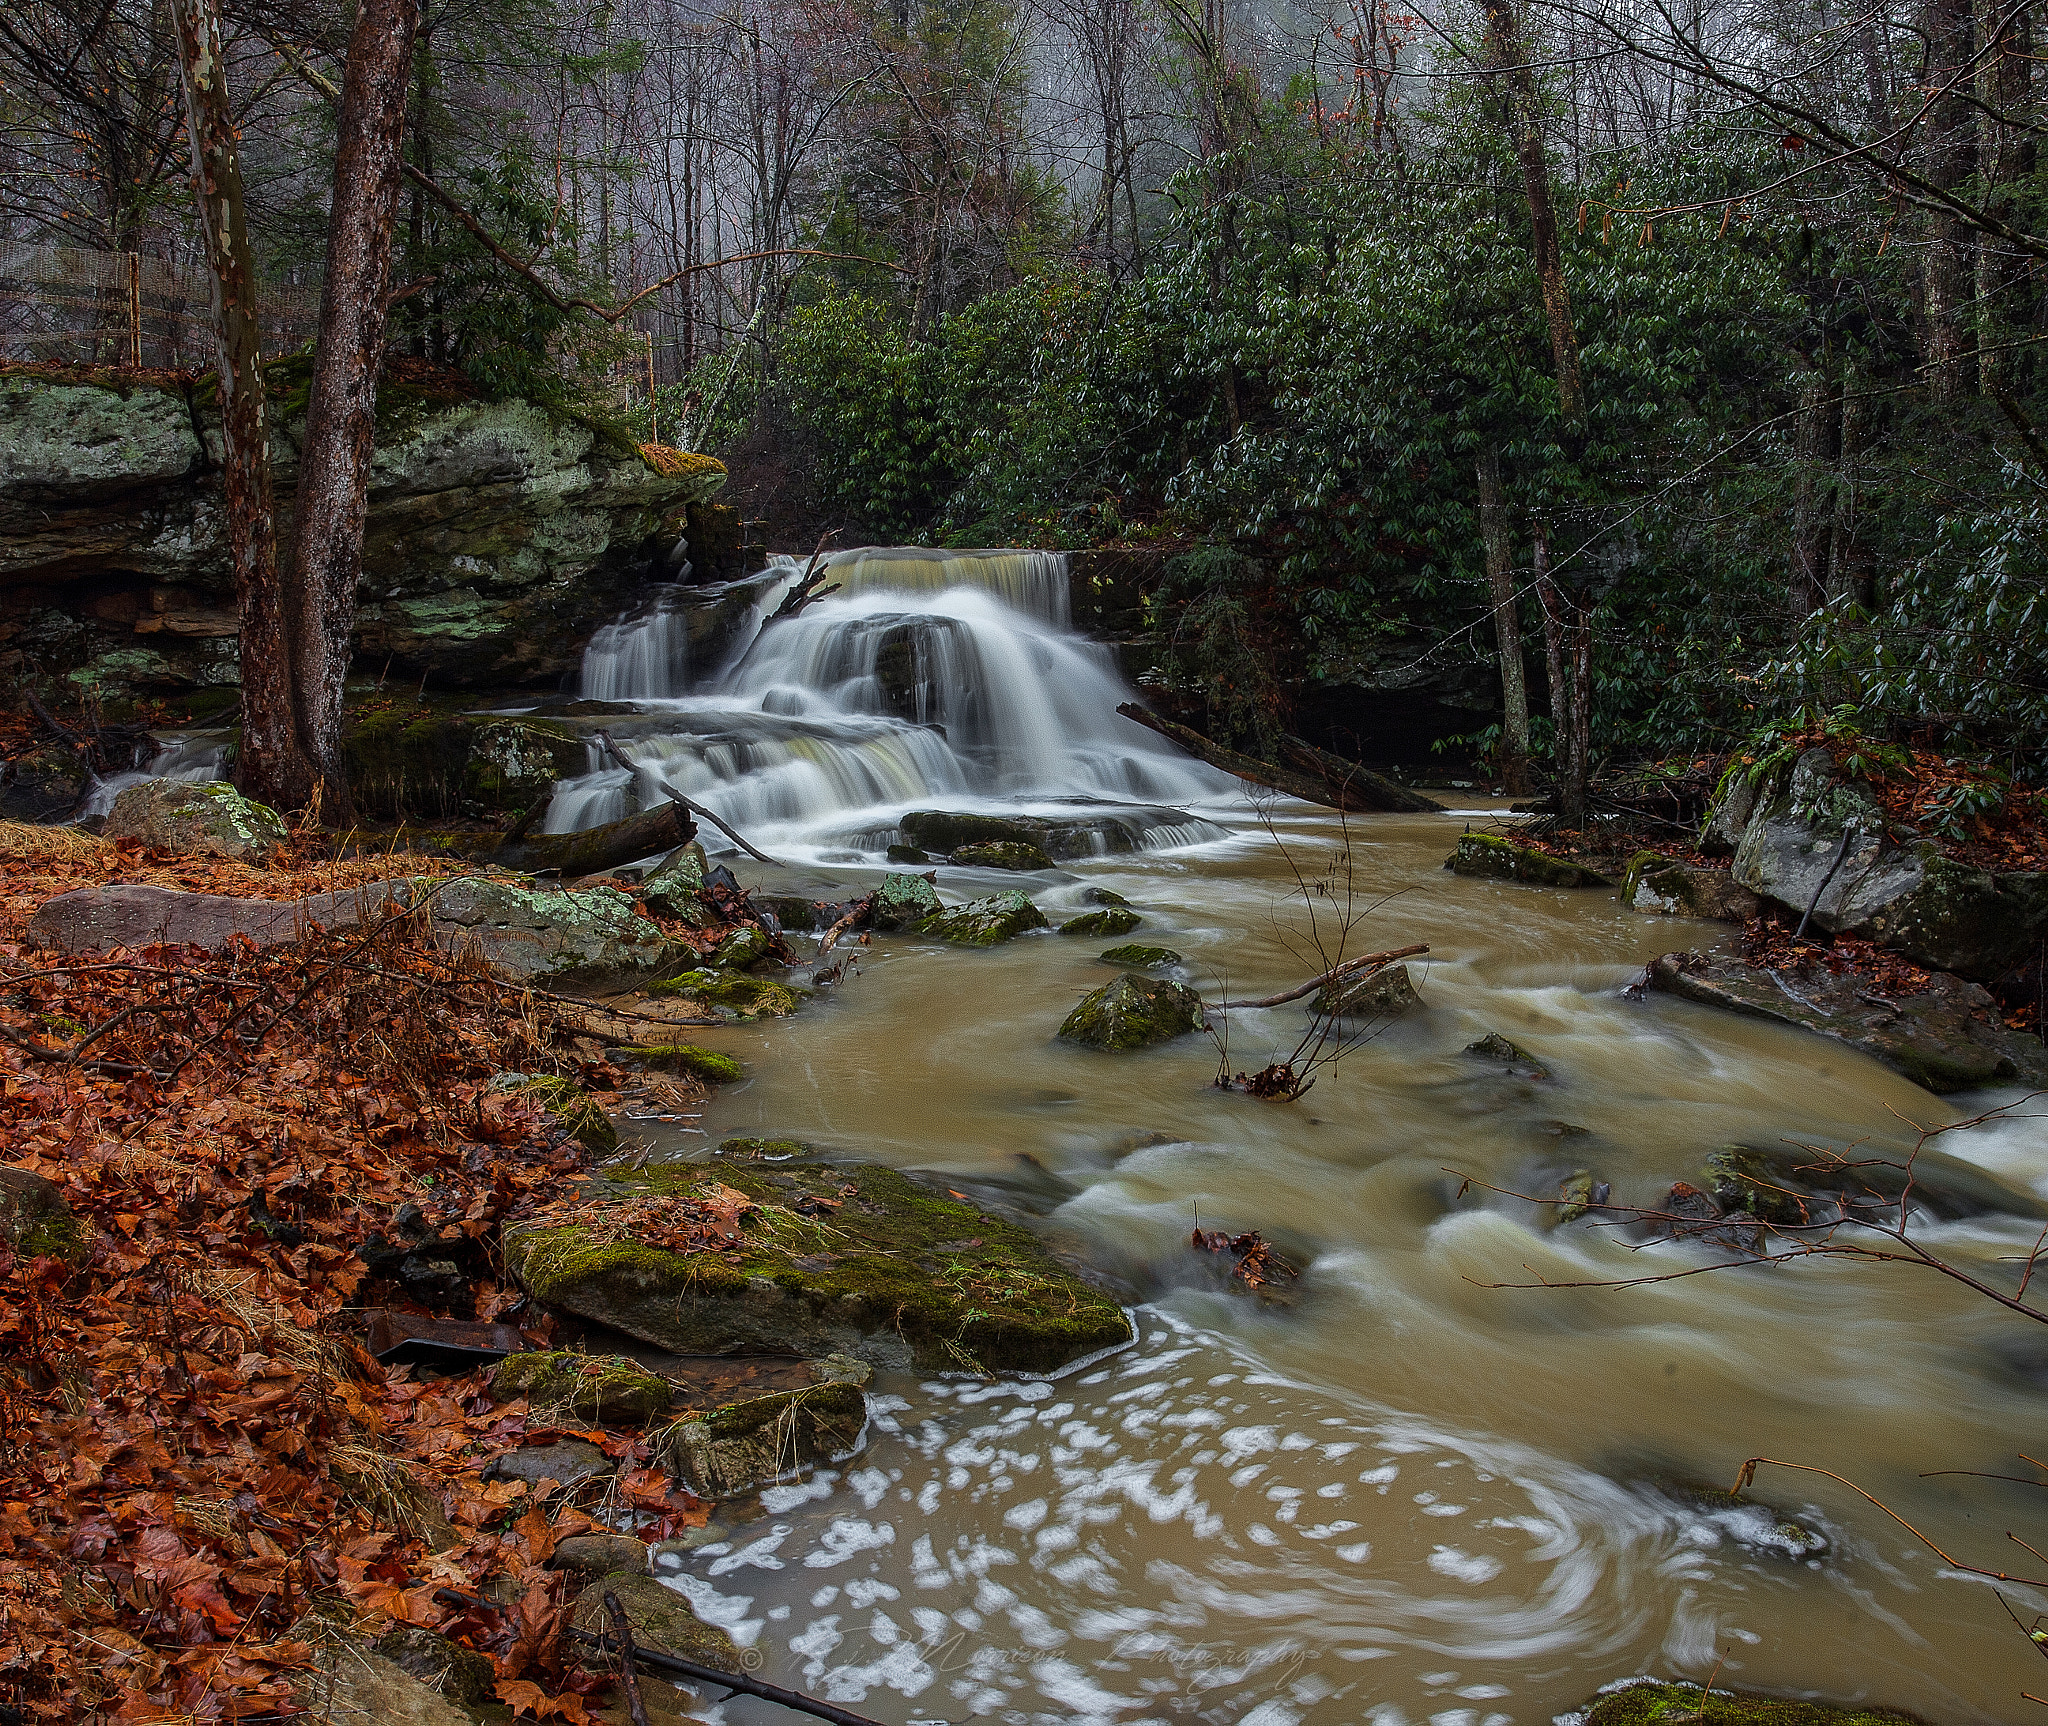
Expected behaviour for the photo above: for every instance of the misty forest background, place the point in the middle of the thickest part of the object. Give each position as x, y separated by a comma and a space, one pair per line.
1255, 289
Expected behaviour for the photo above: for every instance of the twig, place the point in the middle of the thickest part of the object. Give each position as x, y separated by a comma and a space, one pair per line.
732, 1681
862, 907
622, 1626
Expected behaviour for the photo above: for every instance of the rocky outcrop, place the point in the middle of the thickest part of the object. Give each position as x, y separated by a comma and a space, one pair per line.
1662, 884
834, 1258
1134, 1013
204, 818
500, 533
1949, 1037
986, 922
1492, 859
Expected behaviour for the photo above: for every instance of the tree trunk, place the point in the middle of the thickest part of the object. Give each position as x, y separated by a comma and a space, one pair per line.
334, 464
1567, 646
271, 766
1812, 523
1513, 755
1947, 277
1851, 574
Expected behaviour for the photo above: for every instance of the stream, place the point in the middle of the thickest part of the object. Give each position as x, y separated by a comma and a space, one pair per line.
1423, 1490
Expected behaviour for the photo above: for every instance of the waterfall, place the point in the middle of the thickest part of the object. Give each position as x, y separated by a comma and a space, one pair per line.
197, 756
912, 677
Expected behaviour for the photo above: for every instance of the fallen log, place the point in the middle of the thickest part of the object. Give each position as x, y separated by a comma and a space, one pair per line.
732, 833
1349, 970
1355, 789
651, 833
1349, 776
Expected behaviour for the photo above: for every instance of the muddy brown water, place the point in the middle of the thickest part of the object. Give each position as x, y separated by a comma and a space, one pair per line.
1414, 1495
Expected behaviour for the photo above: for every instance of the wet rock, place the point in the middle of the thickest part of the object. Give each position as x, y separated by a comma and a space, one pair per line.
1748, 1523
1134, 1012
600, 1554
1949, 1037
1741, 1179
202, 819
460, 1674
568, 1462
1114, 920
1091, 833
908, 854
1482, 855
1656, 883
1577, 1194
671, 888
1824, 1183
1652, 1702
1136, 955
1001, 854
743, 947
739, 995
986, 922
945, 832
841, 1257
768, 1150
1103, 896
579, 1113
661, 1620
1385, 994
903, 901
792, 910
588, 938
1693, 1215
35, 1222
748, 1445
1494, 1047
594, 1387
706, 1064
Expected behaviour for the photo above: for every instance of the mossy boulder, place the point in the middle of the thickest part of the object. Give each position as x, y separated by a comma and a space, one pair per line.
1654, 1704
1656, 883
1001, 854
706, 1064
1744, 1180
1114, 920
570, 1104
902, 901
594, 1387
736, 993
908, 854
846, 1257
661, 1620
745, 1446
1577, 1194
1136, 954
1384, 994
1134, 1012
672, 886
745, 946
986, 922
35, 1222
196, 818
1492, 859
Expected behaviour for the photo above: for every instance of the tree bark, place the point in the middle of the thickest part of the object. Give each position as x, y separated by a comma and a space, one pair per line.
1851, 570
1812, 519
271, 766
1513, 756
1567, 646
1947, 277
334, 464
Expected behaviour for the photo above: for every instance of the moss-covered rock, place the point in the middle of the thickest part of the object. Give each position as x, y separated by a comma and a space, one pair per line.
1002, 854
1656, 883
735, 992
1744, 1180
595, 1387
661, 1620
1385, 994
745, 946
575, 1108
1493, 859
770, 1150
196, 818
1654, 1704
1134, 1013
1114, 920
1575, 1195
838, 1257
945, 832
745, 1446
707, 1064
35, 1222
908, 854
1136, 954
902, 901
986, 922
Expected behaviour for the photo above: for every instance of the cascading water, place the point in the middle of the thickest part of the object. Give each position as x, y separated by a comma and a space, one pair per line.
913, 676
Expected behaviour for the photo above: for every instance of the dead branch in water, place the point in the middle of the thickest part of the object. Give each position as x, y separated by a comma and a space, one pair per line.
1349, 969
682, 802
861, 908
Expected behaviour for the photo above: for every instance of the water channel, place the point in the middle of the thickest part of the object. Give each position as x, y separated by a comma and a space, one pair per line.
1424, 1490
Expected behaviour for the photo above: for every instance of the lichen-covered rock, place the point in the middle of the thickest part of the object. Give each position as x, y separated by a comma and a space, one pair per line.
672, 886
1112, 920
579, 1113
889, 1271
593, 936
35, 1222
1656, 883
1134, 1013
661, 1620
1384, 994
437, 760
1482, 855
1577, 1194
748, 1445
706, 1064
745, 946
903, 901
203, 818
1651, 1702
737, 994
986, 922
1975, 923
1001, 854
1136, 955
594, 1387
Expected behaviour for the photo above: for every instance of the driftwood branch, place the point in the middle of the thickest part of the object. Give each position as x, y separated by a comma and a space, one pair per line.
808, 583
1350, 970
859, 909
730, 1681
682, 802
1330, 780
591, 852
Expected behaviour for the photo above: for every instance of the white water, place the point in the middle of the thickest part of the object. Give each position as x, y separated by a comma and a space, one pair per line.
196, 757
916, 677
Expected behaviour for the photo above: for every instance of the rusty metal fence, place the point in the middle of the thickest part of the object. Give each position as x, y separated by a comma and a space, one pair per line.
127, 309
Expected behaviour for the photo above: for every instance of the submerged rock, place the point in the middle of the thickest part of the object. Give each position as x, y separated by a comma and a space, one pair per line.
1494, 1047
1115, 920
837, 1257
986, 922
745, 1446
1482, 855
593, 1387
196, 818
1741, 1179
1137, 953
1002, 854
771, 1150
1651, 1702
1383, 995
1134, 1013
1656, 883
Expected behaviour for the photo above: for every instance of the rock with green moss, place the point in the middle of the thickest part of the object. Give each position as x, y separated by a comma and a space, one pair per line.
430, 757
1648, 1702
1492, 859
672, 886
745, 1446
661, 1620
944, 831
1115, 920
908, 854
1134, 1012
35, 1222
1577, 1194
903, 901
1385, 994
593, 1387
706, 1064
591, 937
1742, 1179
836, 1257
1136, 955
195, 818
1656, 883
736, 993
747, 945
1001, 854
764, 1150
579, 1113
986, 922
